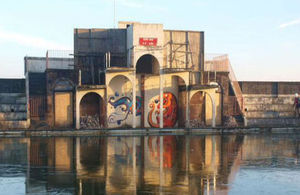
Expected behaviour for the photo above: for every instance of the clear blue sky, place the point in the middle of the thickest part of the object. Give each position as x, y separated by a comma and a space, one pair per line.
262, 38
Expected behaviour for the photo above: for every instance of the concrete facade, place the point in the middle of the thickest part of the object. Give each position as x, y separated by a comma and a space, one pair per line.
157, 63
136, 76
270, 103
140, 76
13, 104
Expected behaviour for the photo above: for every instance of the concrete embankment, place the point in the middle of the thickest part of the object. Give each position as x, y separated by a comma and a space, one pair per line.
150, 132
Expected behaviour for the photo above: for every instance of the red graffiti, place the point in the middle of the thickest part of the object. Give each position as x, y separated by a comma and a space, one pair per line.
169, 111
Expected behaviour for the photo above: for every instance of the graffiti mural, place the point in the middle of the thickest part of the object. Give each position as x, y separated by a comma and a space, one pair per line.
122, 108
169, 110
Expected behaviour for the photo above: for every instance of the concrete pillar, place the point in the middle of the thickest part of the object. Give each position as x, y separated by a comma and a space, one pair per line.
161, 100
187, 108
161, 165
134, 101
187, 153
134, 164
213, 113
245, 121
213, 102
77, 111
78, 164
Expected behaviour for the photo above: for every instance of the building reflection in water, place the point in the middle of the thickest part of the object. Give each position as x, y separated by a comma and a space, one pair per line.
133, 165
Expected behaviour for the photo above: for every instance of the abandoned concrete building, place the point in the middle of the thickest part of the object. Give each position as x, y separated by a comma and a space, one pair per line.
117, 78
120, 76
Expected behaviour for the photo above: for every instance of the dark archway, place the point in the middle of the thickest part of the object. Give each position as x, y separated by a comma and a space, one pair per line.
92, 113
147, 64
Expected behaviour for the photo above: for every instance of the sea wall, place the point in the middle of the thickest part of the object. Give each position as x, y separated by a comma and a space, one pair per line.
13, 104
269, 103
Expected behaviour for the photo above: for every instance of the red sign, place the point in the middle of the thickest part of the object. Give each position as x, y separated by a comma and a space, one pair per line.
148, 41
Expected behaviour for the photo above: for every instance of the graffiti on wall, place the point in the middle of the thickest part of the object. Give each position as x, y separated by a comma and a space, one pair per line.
122, 108
169, 110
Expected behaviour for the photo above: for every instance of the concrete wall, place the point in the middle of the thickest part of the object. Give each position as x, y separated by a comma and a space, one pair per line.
272, 101
270, 88
145, 31
55, 83
90, 46
38, 64
12, 85
152, 102
99, 41
179, 55
175, 43
13, 104
119, 96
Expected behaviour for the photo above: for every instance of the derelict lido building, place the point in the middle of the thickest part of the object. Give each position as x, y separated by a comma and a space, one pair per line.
119, 77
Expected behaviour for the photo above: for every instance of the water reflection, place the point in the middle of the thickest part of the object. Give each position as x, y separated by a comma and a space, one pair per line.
141, 165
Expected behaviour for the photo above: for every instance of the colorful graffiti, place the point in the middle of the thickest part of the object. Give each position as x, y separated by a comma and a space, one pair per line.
169, 110
122, 108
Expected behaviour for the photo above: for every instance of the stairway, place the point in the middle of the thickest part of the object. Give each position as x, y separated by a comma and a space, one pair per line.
13, 111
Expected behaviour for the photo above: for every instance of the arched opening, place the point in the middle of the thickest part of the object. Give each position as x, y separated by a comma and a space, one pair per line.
120, 102
63, 84
197, 110
92, 113
147, 64
120, 84
203, 110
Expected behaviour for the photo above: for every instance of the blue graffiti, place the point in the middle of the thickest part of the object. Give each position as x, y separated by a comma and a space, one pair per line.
125, 108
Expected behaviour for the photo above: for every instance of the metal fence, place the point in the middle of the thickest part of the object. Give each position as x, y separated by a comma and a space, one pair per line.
60, 56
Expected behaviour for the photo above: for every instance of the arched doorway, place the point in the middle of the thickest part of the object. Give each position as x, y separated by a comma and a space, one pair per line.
147, 64
203, 106
197, 109
92, 111
120, 102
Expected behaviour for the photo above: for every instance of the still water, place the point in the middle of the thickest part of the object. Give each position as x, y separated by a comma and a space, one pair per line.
234, 164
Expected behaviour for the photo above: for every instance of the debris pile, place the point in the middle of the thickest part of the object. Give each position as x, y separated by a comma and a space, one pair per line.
90, 122
196, 123
230, 122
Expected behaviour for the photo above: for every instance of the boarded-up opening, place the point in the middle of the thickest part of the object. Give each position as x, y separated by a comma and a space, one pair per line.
63, 109
147, 64
197, 109
91, 111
